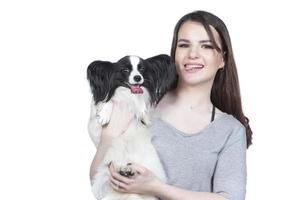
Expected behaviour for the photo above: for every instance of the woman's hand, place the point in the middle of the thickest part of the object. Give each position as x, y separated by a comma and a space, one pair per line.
143, 182
119, 121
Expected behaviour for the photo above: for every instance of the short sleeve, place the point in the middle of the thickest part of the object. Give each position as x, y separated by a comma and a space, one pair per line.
230, 174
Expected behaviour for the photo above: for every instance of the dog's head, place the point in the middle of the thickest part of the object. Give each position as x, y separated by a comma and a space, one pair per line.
156, 74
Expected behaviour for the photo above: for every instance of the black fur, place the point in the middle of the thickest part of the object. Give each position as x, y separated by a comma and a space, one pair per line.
159, 74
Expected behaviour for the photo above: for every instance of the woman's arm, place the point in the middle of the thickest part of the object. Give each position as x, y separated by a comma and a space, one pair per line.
145, 182
230, 176
119, 122
168, 192
101, 150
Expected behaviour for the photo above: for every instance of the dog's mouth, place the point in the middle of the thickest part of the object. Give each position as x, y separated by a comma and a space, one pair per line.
136, 88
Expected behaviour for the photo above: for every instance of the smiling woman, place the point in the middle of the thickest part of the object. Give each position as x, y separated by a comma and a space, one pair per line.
197, 58
201, 134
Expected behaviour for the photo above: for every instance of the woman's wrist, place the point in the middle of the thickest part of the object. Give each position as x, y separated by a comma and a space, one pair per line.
157, 188
104, 142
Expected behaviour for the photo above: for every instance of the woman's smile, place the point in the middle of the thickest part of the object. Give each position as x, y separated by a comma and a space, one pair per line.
193, 67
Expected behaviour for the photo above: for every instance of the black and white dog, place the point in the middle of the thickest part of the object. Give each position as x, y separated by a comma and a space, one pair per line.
140, 84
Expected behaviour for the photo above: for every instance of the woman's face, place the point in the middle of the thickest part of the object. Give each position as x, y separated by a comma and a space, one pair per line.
197, 61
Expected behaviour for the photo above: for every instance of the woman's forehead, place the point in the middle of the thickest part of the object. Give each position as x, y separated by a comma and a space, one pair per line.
196, 30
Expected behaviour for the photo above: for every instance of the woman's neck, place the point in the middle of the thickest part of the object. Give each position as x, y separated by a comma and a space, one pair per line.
194, 98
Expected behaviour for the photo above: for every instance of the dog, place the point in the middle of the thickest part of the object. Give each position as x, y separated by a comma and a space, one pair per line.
140, 84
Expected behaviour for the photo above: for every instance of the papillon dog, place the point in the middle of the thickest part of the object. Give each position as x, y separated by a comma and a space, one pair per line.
140, 83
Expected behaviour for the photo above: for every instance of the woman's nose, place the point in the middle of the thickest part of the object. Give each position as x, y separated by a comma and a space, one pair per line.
193, 53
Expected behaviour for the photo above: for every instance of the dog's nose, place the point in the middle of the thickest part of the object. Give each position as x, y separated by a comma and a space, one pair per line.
137, 78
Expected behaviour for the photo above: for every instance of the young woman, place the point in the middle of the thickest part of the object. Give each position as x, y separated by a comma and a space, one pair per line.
201, 134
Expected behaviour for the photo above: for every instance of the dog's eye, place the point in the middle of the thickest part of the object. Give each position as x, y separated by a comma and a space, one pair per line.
125, 70
142, 68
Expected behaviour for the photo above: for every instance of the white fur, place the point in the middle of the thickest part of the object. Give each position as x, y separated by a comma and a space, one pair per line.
134, 60
133, 146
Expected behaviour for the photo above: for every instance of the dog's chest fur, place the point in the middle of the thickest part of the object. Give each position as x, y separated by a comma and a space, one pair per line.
139, 104
133, 146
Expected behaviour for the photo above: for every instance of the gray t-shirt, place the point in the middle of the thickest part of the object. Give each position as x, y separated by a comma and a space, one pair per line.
212, 160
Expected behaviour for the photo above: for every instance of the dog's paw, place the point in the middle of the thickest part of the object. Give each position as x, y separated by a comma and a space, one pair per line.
103, 113
126, 171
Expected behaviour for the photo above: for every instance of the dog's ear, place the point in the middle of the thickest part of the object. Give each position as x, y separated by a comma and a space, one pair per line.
163, 75
100, 76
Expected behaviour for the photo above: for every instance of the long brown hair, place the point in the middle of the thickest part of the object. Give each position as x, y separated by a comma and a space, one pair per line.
225, 93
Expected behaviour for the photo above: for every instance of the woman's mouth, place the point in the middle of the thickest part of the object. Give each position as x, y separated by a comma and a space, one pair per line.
193, 67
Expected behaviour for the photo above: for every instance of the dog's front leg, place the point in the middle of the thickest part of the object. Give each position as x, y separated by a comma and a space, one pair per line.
103, 112
100, 115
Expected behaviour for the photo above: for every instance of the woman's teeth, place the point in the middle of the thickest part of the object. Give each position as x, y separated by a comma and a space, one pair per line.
192, 67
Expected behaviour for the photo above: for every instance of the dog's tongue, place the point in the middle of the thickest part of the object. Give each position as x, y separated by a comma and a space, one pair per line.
136, 89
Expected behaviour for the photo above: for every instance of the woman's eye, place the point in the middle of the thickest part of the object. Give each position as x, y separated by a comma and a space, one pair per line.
207, 46
183, 45
125, 70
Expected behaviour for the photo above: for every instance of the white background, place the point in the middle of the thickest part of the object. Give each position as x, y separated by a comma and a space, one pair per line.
46, 46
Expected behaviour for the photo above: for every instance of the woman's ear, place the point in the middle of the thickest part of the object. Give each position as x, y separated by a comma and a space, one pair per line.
222, 64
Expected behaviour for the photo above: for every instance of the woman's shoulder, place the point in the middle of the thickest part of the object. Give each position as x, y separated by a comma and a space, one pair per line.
163, 106
231, 121
230, 125
233, 127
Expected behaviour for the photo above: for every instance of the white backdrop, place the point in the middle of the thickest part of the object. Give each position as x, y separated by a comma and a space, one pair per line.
46, 46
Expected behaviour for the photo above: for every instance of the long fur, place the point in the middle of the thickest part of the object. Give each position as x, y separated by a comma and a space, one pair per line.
112, 82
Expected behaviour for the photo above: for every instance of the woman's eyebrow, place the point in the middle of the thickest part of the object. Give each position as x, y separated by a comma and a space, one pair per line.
183, 40
205, 41
201, 41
